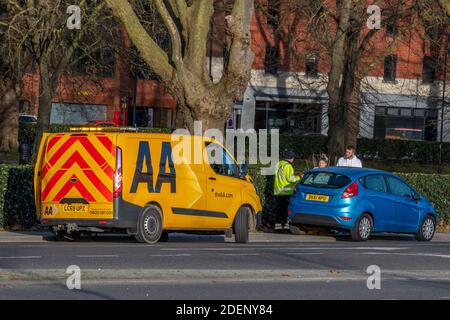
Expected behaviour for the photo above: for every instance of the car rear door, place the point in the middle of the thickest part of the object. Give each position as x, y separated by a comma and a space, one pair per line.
76, 176
381, 201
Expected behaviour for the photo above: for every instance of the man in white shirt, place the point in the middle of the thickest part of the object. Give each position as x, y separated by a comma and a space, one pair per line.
350, 159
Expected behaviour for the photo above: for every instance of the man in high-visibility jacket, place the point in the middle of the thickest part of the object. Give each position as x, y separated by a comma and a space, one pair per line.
284, 184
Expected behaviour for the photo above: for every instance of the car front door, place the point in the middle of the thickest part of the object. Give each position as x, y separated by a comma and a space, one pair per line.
406, 209
381, 201
224, 187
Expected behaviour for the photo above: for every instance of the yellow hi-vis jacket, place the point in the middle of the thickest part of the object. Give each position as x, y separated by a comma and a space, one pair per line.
285, 179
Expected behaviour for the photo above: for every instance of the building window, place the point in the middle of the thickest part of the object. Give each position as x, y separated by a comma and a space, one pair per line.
2, 9
311, 68
273, 13
391, 25
154, 117
77, 114
405, 124
428, 71
100, 63
271, 60
390, 68
289, 118
139, 68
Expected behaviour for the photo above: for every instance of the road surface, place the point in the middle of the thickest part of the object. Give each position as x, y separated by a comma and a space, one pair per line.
209, 268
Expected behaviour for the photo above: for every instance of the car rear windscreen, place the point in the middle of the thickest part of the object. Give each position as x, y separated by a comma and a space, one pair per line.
325, 180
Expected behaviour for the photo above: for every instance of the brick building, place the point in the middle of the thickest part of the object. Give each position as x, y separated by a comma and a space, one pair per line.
401, 96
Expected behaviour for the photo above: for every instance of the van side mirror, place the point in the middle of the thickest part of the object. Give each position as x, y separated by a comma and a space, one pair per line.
243, 170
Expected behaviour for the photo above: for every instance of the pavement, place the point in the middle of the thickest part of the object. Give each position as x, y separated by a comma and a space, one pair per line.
270, 266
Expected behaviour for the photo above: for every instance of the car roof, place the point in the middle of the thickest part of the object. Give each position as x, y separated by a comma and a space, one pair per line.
351, 172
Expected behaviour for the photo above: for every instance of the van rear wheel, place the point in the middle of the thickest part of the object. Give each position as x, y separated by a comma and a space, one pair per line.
241, 225
150, 225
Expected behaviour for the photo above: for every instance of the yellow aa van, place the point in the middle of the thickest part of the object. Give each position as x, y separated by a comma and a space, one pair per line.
96, 180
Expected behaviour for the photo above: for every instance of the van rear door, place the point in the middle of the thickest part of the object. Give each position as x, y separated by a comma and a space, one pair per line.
76, 176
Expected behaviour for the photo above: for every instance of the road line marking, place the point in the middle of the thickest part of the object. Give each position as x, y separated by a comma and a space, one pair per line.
172, 255
98, 256
432, 255
240, 254
303, 253
286, 248
22, 257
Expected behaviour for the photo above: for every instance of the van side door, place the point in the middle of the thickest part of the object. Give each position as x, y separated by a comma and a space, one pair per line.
223, 187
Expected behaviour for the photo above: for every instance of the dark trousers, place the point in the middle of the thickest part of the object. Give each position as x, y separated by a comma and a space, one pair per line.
282, 208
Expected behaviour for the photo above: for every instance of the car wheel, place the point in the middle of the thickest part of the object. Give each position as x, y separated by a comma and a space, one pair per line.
427, 229
150, 226
241, 225
363, 228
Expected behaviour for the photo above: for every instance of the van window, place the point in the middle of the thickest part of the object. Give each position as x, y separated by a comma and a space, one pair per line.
220, 161
325, 180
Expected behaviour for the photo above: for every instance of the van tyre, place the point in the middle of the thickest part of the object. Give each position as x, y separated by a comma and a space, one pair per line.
241, 225
150, 225
164, 237
427, 229
363, 228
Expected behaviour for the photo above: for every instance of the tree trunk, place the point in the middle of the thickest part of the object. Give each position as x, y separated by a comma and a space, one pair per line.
9, 116
46, 92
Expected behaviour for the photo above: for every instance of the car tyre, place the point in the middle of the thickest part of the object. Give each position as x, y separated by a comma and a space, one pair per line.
363, 228
427, 229
150, 225
241, 225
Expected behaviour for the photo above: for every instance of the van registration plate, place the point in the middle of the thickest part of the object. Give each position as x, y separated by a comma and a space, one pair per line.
75, 208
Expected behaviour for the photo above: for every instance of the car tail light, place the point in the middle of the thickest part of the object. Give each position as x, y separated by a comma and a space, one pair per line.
351, 191
296, 187
118, 181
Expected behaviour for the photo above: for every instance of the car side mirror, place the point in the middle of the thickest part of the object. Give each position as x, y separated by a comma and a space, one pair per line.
416, 196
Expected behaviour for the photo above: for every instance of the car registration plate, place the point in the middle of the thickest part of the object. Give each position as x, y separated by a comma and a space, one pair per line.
75, 208
317, 197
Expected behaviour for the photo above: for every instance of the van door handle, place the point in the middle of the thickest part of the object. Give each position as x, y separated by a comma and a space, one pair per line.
212, 178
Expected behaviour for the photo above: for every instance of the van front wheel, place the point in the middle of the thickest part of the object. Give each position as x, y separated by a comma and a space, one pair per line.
150, 226
241, 225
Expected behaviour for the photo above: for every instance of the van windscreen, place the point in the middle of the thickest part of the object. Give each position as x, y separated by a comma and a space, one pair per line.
325, 180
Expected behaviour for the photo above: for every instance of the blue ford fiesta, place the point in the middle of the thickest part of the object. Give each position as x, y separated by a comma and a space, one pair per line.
361, 201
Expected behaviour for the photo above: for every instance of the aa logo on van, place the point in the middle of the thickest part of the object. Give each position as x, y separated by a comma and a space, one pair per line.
84, 165
146, 177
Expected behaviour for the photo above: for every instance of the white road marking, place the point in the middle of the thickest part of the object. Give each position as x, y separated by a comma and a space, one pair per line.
98, 256
22, 257
286, 248
241, 254
304, 253
172, 255
433, 255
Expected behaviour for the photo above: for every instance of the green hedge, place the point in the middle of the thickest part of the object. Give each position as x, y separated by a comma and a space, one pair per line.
435, 187
17, 199
16, 196
421, 151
